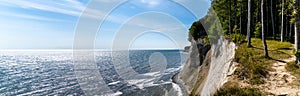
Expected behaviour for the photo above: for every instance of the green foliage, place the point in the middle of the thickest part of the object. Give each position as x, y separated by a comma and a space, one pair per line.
252, 66
295, 70
233, 10
197, 30
292, 20
236, 91
238, 38
297, 53
236, 29
206, 40
232, 88
292, 67
257, 31
222, 9
214, 28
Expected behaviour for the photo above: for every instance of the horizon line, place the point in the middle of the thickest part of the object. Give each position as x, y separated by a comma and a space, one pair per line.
90, 49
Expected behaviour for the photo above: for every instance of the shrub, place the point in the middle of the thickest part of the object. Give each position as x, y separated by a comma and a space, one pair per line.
252, 65
238, 38
236, 29
236, 91
292, 67
257, 30
197, 30
295, 70
206, 40
297, 53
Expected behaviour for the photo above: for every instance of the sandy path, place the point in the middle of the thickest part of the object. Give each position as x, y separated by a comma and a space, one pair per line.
278, 83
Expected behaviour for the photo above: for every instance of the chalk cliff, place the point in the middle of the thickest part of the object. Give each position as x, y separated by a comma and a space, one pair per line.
207, 67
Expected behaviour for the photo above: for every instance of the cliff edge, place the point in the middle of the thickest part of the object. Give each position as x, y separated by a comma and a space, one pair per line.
207, 67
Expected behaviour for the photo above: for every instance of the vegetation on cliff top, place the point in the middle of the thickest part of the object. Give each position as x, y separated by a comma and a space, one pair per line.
270, 22
252, 63
253, 66
232, 89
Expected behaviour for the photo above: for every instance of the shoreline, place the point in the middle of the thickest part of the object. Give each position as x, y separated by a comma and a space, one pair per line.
178, 82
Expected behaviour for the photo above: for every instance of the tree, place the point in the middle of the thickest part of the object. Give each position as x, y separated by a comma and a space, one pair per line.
249, 24
241, 12
272, 17
296, 17
262, 30
197, 31
222, 8
297, 43
282, 22
229, 16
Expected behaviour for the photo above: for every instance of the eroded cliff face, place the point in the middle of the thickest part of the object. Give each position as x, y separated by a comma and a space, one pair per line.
207, 67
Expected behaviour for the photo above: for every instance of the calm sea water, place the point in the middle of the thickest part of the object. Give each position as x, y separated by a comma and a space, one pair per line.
52, 73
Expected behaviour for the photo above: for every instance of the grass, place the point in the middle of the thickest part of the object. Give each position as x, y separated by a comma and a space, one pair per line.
292, 67
277, 50
232, 89
295, 70
253, 64
236, 91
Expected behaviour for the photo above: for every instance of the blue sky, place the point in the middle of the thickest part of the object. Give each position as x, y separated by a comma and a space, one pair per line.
50, 24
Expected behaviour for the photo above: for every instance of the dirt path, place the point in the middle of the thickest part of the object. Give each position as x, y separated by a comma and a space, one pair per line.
278, 83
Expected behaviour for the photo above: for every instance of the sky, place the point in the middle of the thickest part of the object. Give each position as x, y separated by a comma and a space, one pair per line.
134, 24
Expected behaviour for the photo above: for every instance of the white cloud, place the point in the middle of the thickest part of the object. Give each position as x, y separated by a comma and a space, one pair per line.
27, 16
150, 2
108, 1
198, 7
45, 6
156, 22
68, 7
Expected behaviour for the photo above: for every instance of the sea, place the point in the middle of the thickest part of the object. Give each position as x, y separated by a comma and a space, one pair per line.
121, 73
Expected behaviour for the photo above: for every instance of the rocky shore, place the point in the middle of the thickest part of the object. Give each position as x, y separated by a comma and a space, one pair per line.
179, 82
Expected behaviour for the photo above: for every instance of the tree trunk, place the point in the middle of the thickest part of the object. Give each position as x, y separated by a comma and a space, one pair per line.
266, 10
282, 25
290, 32
249, 24
296, 30
235, 12
286, 26
230, 17
241, 11
263, 32
272, 17
297, 42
